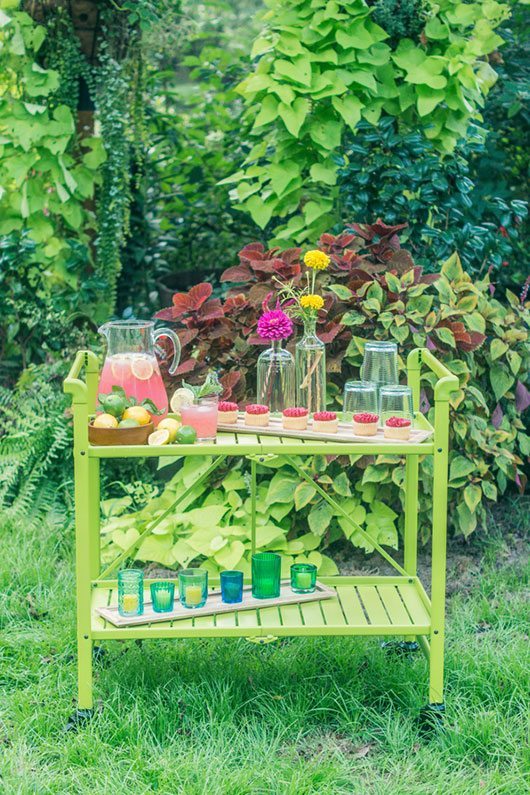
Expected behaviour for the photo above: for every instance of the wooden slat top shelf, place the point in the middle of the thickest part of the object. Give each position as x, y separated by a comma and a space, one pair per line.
241, 444
361, 606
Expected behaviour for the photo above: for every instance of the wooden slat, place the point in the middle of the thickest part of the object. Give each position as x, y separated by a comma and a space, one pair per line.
225, 619
414, 605
311, 614
290, 615
351, 606
226, 438
373, 605
100, 598
247, 618
247, 440
393, 604
204, 621
332, 613
270, 617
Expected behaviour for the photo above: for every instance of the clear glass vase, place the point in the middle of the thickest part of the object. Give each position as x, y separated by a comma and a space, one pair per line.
310, 361
276, 378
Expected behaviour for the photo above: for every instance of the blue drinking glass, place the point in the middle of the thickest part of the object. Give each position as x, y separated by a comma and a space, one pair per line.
232, 586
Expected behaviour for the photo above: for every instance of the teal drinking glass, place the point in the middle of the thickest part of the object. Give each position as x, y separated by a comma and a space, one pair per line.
266, 568
162, 596
303, 577
130, 592
193, 587
232, 586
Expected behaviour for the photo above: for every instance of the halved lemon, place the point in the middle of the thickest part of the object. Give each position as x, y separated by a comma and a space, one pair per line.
181, 397
120, 367
142, 368
158, 437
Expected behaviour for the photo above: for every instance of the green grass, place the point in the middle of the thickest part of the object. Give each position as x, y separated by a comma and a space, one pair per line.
325, 716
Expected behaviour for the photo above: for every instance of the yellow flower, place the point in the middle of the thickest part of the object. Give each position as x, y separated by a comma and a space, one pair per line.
317, 260
311, 302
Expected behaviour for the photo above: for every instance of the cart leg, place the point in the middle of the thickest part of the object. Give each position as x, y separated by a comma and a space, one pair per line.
410, 539
439, 534
87, 567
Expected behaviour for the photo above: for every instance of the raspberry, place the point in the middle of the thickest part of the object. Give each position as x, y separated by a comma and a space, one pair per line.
365, 417
295, 412
255, 408
397, 422
324, 416
225, 405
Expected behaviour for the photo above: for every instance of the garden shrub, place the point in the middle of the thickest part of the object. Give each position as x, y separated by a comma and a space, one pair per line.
401, 177
372, 291
323, 66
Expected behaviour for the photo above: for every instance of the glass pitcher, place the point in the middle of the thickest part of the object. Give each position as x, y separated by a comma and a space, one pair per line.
131, 361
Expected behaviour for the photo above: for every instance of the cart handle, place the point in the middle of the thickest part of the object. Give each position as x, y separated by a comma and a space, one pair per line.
447, 383
73, 385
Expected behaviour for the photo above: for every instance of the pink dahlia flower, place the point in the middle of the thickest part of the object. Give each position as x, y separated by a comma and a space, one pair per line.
275, 325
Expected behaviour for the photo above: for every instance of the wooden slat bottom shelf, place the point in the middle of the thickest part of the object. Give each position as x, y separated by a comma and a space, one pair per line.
362, 606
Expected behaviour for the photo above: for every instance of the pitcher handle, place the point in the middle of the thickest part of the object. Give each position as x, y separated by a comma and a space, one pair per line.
167, 332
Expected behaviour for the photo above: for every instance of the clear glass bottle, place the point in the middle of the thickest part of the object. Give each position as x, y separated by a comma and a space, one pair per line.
310, 358
276, 378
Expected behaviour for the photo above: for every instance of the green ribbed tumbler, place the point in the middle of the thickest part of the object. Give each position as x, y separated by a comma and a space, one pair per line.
266, 568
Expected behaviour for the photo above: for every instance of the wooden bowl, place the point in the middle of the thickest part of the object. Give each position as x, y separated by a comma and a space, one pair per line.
114, 436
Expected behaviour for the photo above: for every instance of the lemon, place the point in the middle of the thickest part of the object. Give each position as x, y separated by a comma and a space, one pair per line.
137, 413
105, 421
171, 425
142, 368
158, 437
182, 397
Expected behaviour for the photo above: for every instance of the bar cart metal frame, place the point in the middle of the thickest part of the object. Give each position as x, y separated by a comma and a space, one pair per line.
395, 605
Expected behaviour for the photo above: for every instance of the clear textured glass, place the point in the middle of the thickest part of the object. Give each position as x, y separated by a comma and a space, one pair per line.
310, 360
193, 587
395, 401
303, 577
162, 596
276, 378
266, 568
360, 397
202, 416
130, 592
380, 363
232, 586
131, 361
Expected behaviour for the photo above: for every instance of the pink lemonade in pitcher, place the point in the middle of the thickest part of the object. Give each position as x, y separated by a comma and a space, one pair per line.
131, 361
139, 375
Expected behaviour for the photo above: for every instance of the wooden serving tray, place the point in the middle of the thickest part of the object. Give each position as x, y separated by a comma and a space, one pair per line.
215, 605
344, 434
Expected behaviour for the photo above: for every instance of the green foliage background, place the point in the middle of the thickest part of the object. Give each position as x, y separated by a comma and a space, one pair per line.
219, 124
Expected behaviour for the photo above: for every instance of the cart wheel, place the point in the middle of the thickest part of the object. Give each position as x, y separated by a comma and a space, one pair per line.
432, 719
400, 648
99, 654
261, 641
78, 719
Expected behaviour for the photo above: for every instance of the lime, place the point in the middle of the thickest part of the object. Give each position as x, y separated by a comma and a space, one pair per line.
105, 421
113, 404
186, 435
158, 437
182, 397
137, 413
130, 423
171, 425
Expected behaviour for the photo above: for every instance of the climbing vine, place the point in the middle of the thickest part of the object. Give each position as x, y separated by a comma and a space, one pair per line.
322, 66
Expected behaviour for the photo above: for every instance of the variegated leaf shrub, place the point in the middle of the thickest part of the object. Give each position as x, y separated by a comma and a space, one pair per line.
372, 291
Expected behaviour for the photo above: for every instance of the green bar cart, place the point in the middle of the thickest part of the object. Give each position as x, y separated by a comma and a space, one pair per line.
395, 605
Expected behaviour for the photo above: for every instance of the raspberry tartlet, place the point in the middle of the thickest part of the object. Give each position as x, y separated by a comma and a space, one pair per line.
295, 419
256, 414
397, 428
227, 412
365, 424
325, 422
